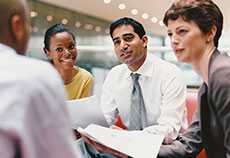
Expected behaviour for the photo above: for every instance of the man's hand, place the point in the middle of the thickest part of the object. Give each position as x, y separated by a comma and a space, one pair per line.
167, 141
103, 148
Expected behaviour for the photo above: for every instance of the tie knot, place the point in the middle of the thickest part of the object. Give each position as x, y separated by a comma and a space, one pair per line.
135, 76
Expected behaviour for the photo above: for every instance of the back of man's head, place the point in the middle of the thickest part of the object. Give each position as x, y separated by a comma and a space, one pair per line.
14, 24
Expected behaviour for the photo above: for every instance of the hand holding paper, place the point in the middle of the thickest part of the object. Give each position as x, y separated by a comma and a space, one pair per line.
123, 142
101, 147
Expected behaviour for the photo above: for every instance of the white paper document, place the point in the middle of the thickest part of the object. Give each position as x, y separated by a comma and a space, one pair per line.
137, 144
85, 111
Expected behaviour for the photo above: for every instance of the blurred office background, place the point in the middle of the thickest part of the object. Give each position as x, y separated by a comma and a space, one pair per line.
89, 20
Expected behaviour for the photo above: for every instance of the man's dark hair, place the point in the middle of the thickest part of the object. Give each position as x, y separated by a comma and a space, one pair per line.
137, 27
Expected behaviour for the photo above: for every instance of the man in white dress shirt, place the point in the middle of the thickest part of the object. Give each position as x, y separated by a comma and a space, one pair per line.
33, 118
162, 85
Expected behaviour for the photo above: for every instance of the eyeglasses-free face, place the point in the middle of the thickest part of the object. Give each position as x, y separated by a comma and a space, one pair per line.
187, 40
63, 50
129, 47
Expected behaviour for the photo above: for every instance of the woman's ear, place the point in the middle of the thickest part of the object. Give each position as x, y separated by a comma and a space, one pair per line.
45, 51
211, 34
48, 54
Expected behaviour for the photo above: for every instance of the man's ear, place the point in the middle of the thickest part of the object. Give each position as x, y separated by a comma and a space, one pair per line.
17, 27
145, 40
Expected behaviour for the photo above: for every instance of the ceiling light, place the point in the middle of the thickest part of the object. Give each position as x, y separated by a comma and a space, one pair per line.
33, 14
121, 6
78, 24
64, 21
145, 16
134, 11
49, 18
88, 26
154, 19
97, 29
107, 1
161, 23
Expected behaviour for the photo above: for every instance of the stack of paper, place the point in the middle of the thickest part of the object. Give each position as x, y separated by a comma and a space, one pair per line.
137, 144
85, 111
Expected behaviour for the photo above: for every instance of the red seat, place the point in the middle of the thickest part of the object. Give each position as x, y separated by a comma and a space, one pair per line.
191, 104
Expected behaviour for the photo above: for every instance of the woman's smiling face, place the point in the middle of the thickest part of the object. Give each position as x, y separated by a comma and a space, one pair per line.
62, 50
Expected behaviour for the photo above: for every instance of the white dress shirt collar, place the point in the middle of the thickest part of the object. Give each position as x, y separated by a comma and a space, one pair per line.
146, 68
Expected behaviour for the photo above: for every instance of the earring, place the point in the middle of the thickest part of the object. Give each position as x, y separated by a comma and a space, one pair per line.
209, 39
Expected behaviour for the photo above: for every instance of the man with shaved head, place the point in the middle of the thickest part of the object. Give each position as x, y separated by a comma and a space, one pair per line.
14, 25
33, 118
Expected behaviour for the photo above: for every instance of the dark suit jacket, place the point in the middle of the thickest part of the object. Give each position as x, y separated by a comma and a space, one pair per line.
211, 125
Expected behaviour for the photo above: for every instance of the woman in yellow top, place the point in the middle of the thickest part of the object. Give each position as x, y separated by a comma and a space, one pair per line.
60, 47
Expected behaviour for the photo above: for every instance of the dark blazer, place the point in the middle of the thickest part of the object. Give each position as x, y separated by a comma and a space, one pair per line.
211, 125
